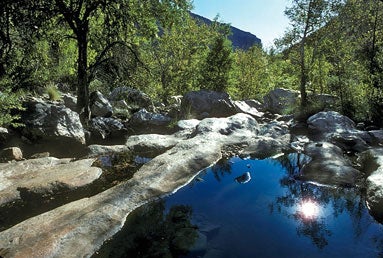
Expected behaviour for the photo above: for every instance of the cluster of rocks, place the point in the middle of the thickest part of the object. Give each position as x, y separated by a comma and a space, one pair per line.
125, 111
180, 141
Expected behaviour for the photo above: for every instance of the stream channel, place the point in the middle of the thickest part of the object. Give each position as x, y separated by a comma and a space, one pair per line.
244, 207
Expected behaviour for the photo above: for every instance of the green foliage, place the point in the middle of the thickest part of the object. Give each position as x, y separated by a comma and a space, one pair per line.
10, 104
217, 69
251, 73
333, 47
173, 60
53, 92
306, 18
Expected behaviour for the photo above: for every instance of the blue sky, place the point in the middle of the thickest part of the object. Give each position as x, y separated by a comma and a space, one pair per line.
263, 18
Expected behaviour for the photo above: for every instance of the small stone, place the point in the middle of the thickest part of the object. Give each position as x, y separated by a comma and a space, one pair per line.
244, 178
11, 153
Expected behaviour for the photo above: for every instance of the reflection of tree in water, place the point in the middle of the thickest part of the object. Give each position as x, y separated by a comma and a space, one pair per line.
293, 163
148, 232
339, 199
221, 168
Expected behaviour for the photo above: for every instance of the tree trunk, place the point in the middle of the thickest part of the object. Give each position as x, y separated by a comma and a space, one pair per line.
82, 73
303, 74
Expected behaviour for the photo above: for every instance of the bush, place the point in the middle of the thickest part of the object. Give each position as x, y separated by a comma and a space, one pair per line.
9, 105
53, 93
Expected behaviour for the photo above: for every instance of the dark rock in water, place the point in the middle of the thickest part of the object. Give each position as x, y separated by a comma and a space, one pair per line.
202, 104
99, 105
361, 126
244, 178
11, 153
48, 121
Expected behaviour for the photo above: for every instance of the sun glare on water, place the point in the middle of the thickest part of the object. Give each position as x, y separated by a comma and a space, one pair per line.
308, 209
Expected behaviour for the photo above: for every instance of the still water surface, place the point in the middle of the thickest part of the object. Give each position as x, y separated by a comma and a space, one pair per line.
251, 208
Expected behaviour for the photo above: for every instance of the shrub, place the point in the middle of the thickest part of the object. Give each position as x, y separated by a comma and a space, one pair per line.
53, 92
9, 105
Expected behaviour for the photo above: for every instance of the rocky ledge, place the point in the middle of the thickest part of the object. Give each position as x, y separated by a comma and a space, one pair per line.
79, 228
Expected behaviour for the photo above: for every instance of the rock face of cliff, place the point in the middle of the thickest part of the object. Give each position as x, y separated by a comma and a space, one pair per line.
240, 39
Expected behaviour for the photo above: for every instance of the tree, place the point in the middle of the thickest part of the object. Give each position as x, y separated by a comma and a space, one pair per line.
307, 17
216, 71
116, 20
251, 73
174, 59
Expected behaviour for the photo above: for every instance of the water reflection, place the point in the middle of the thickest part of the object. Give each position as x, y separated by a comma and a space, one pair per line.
233, 220
222, 168
151, 232
308, 210
314, 218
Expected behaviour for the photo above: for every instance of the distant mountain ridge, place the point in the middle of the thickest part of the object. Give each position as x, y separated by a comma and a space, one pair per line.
240, 39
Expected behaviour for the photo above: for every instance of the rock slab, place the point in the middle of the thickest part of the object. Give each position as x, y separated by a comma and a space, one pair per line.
79, 228
44, 175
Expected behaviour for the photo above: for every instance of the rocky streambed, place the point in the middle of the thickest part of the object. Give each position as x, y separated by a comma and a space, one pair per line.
342, 156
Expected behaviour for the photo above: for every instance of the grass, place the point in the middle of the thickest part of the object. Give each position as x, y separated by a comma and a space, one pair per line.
53, 92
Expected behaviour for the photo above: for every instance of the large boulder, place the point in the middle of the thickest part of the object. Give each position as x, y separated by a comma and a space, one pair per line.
280, 100
106, 128
375, 184
51, 122
121, 109
96, 150
272, 138
147, 122
326, 100
232, 126
249, 107
328, 165
44, 175
70, 101
340, 130
203, 104
134, 98
151, 145
330, 122
99, 105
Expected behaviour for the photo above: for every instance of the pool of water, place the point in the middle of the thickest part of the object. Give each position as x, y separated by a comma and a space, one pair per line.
251, 208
